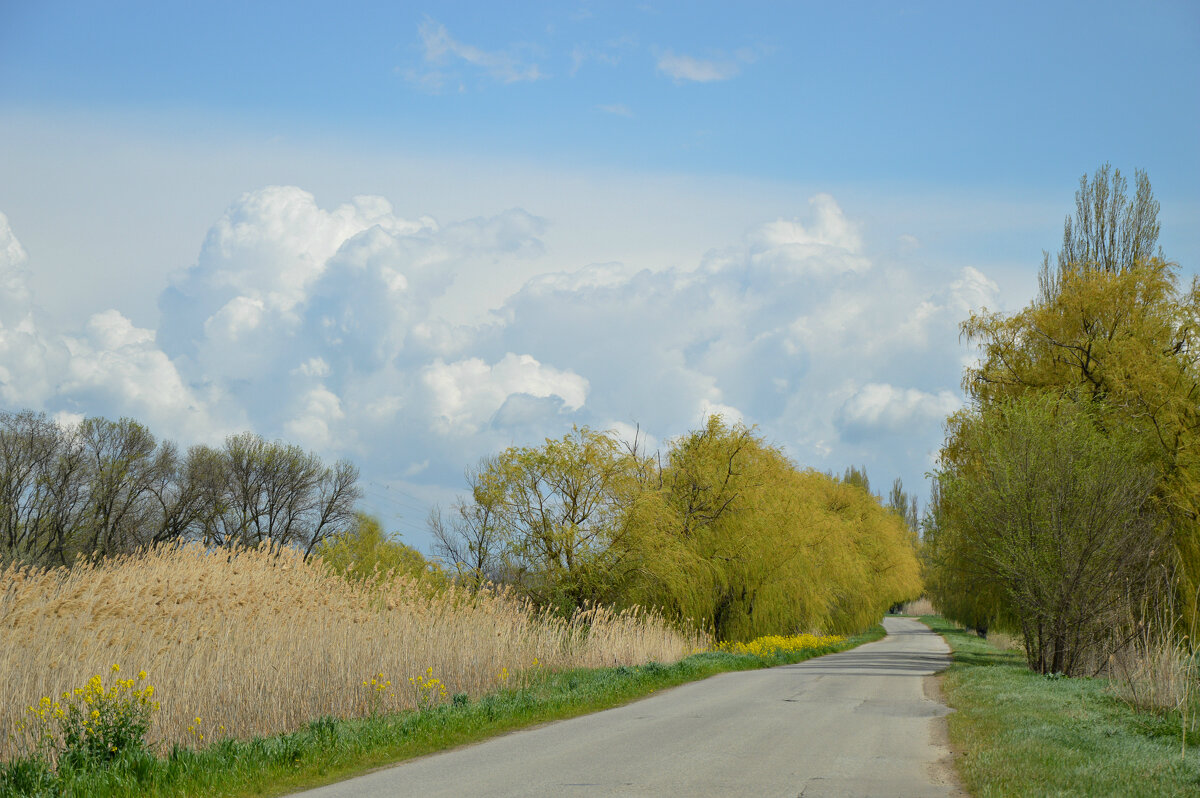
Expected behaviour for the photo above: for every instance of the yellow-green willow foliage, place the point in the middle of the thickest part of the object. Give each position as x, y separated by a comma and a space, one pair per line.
1047, 526
364, 552
1127, 340
746, 544
722, 530
557, 519
951, 581
1113, 329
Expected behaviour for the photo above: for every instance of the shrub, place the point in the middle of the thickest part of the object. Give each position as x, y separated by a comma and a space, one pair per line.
1048, 507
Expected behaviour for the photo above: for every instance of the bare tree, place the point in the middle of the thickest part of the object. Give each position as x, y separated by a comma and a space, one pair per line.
337, 495
278, 493
42, 489
183, 495
28, 445
471, 538
107, 487
123, 467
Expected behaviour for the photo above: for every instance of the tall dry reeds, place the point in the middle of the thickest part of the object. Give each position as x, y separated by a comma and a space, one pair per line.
921, 606
1157, 673
257, 642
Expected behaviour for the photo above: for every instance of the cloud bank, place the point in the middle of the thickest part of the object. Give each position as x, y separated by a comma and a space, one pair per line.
317, 325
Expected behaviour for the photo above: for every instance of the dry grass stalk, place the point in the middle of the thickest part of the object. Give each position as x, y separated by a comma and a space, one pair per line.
1158, 669
1156, 672
261, 642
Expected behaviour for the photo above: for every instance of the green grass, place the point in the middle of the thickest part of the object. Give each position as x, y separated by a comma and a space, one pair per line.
330, 750
1017, 733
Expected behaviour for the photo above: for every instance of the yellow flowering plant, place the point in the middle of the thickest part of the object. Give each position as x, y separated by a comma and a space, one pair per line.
429, 691
377, 689
776, 645
95, 723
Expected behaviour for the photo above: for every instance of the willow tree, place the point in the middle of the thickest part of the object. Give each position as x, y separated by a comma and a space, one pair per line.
868, 558
730, 500
720, 530
553, 518
947, 558
745, 543
363, 552
1112, 323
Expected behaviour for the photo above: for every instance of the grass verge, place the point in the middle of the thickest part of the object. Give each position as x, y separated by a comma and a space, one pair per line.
330, 750
1017, 733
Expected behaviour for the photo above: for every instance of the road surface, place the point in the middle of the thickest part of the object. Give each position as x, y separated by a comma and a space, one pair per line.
851, 724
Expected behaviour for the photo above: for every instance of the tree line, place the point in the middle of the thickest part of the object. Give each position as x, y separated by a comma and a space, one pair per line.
721, 530
1066, 503
107, 487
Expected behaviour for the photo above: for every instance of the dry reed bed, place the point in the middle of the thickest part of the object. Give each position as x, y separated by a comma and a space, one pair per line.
1157, 672
921, 606
261, 642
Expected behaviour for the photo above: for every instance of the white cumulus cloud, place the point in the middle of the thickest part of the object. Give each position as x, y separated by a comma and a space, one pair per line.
117, 365
326, 325
312, 426
467, 393
27, 360
884, 407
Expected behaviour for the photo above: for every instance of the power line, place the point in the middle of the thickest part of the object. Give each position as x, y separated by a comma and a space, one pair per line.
402, 500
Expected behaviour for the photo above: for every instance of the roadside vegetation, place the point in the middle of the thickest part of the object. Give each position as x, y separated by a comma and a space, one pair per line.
329, 748
1064, 518
720, 530
1016, 732
261, 641
218, 661
1066, 497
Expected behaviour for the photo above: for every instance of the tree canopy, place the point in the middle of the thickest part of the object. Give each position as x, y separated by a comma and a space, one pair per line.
1051, 518
1113, 334
363, 552
720, 530
107, 487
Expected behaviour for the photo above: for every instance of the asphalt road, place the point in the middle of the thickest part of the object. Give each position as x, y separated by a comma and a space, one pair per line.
851, 724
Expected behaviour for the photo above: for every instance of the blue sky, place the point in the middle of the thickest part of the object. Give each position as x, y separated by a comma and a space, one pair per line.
612, 214
897, 92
